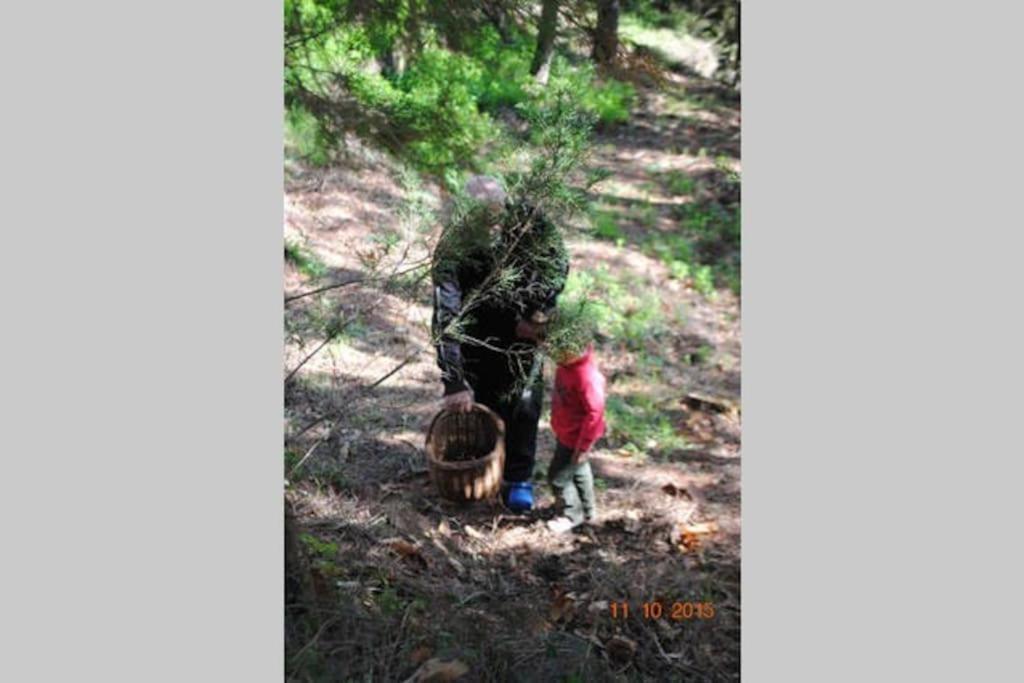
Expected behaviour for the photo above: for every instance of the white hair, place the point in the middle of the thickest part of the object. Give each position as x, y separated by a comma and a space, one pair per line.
487, 189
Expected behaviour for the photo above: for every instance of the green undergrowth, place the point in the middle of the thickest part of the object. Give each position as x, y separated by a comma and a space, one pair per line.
304, 260
444, 104
638, 423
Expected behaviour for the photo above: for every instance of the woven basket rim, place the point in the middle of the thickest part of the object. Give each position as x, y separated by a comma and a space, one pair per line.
499, 446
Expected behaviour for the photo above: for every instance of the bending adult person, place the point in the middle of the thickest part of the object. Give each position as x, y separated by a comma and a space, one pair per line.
497, 273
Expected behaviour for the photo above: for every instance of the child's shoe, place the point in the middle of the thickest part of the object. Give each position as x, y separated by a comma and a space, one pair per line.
560, 525
519, 496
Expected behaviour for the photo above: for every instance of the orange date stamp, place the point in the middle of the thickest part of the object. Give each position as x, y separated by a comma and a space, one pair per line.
675, 611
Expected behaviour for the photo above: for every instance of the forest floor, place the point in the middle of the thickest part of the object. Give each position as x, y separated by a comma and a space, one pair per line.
405, 583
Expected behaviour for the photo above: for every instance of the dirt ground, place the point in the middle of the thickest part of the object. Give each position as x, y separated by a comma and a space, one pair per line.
402, 580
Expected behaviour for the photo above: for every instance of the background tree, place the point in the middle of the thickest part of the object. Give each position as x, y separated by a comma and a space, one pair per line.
545, 41
606, 35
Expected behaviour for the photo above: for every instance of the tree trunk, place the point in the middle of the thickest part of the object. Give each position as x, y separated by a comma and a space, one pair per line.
296, 578
545, 41
606, 36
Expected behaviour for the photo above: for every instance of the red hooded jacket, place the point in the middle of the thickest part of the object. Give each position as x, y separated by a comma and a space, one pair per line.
577, 404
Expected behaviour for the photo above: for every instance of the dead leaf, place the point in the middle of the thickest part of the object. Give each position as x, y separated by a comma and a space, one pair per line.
472, 533
404, 547
631, 522
420, 654
562, 607
409, 552
438, 671
701, 427
443, 527
691, 535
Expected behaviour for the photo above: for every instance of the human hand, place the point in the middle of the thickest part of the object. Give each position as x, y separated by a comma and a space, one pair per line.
460, 402
579, 457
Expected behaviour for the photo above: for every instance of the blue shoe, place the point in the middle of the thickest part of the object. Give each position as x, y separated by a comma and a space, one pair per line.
519, 496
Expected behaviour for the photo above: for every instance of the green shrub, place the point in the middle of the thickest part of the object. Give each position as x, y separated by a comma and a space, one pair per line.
438, 101
668, 247
609, 99
304, 260
646, 214
505, 79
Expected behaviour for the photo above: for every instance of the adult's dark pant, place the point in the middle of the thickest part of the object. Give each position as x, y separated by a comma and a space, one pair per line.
495, 385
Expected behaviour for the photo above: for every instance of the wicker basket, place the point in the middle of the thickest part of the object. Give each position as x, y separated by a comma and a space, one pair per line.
478, 436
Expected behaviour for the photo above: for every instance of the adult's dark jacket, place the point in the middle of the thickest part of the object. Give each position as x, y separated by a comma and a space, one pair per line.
464, 260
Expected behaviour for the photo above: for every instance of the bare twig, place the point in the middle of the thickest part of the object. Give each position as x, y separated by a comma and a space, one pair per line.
331, 337
336, 285
314, 639
312, 424
339, 418
398, 367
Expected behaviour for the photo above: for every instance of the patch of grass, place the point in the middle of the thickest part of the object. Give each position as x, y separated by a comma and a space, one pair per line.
610, 100
703, 280
701, 356
388, 601
318, 547
356, 329
305, 138
647, 215
606, 226
642, 320
332, 480
716, 233
387, 240
291, 459
639, 421
668, 248
678, 183
678, 270
304, 260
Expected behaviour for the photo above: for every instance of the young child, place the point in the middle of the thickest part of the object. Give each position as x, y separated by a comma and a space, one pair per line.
577, 418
